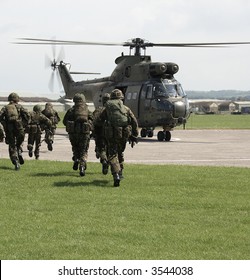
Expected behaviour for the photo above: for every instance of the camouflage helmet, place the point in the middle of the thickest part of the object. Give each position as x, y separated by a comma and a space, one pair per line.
48, 105
105, 98
13, 97
79, 97
116, 94
37, 108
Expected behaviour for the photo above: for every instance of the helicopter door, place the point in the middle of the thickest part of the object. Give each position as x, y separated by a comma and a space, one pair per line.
145, 101
131, 98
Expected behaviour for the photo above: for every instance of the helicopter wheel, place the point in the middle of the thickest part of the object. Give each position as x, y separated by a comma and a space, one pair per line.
147, 132
164, 135
160, 135
167, 136
143, 132
150, 133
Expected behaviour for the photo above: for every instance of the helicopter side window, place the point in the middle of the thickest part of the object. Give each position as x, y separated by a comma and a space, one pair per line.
128, 95
149, 92
134, 95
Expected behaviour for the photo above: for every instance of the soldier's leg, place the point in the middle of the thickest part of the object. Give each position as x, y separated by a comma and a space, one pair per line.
31, 140
38, 137
114, 162
73, 140
83, 151
121, 148
19, 143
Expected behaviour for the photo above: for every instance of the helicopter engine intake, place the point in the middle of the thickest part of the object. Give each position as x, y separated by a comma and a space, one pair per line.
160, 69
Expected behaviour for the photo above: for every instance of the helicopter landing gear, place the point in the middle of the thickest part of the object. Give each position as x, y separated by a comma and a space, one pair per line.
164, 135
147, 132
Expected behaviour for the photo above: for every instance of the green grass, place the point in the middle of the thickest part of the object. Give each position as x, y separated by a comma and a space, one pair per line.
160, 212
221, 121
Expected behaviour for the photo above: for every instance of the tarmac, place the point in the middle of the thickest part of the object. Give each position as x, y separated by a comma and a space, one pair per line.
187, 147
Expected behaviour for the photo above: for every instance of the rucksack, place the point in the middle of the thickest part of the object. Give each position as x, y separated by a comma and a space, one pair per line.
117, 113
11, 112
81, 113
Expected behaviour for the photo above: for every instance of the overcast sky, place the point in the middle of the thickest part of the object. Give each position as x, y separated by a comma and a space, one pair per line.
158, 21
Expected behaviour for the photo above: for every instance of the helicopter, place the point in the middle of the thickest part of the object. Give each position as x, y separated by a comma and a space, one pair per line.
150, 89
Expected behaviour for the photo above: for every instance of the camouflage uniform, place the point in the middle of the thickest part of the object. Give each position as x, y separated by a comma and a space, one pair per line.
117, 138
51, 114
14, 119
78, 121
37, 119
100, 141
1, 133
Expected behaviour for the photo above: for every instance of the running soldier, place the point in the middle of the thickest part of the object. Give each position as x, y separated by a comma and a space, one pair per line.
14, 119
100, 141
78, 121
37, 119
53, 116
120, 125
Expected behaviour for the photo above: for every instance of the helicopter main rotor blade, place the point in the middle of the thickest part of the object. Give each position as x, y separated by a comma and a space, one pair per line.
64, 42
133, 43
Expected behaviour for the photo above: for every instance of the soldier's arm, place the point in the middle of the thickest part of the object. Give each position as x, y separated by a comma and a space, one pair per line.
133, 123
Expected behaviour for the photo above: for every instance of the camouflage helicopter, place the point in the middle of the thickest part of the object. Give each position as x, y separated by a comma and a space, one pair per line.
150, 88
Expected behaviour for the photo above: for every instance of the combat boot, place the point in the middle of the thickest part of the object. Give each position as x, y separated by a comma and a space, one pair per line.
30, 149
20, 157
82, 170
116, 180
75, 165
16, 163
105, 167
50, 147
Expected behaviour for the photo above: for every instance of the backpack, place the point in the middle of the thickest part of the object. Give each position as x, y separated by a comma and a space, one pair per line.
81, 113
117, 113
11, 112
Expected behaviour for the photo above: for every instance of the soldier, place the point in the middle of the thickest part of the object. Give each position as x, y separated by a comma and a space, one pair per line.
100, 141
37, 119
120, 125
51, 114
78, 121
14, 119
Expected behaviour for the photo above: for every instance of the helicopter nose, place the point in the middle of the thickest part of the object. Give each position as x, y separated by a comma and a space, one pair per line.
179, 109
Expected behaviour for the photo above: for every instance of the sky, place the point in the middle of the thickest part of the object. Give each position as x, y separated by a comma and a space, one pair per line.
158, 21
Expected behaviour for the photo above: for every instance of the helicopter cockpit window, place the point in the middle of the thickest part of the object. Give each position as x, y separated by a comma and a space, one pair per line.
168, 90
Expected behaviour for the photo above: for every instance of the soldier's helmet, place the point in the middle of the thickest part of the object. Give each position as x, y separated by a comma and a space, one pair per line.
116, 94
48, 105
13, 97
37, 108
105, 98
78, 98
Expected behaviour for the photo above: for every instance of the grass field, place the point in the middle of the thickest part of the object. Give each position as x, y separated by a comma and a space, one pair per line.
222, 121
160, 212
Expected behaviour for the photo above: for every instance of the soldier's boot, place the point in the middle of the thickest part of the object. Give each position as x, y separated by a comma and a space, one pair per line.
20, 157
116, 179
82, 170
105, 167
16, 163
75, 165
37, 156
30, 149
50, 147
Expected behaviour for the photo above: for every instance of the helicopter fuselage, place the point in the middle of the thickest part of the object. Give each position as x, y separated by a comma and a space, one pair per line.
150, 91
